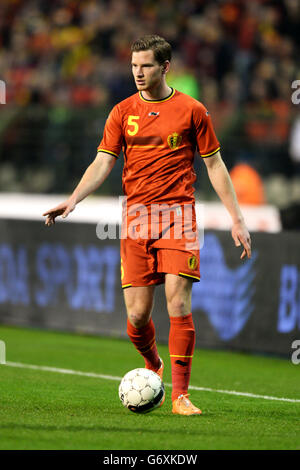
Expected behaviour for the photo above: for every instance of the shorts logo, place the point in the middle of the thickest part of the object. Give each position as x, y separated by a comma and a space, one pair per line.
174, 140
192, 262
122, 270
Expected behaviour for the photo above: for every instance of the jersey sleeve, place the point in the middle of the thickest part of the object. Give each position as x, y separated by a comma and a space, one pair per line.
207, 142
112, 136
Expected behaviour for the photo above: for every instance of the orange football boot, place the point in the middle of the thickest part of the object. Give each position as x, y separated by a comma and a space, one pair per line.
183, 406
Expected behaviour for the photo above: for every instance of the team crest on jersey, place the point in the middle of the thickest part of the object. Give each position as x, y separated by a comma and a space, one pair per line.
192, 262
174, 140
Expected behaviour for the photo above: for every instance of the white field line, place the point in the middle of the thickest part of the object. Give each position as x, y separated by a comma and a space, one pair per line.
112, 377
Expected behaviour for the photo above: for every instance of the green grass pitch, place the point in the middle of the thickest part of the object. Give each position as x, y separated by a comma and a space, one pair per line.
50, 410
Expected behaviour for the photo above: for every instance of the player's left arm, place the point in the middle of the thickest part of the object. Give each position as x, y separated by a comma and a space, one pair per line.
221, 181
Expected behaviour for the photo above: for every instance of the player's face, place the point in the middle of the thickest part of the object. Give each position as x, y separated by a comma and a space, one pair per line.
147, 72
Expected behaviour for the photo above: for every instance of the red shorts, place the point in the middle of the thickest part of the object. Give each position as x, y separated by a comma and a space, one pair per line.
145, 261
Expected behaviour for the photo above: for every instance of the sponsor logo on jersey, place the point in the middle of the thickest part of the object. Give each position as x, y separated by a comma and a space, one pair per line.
174, 140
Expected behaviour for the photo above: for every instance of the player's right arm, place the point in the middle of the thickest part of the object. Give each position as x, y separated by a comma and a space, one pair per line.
108, 151
94, 176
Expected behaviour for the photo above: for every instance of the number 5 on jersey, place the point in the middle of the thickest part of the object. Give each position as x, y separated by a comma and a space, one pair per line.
133, 124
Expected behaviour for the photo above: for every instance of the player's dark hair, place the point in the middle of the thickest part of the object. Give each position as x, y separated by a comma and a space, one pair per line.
160, 47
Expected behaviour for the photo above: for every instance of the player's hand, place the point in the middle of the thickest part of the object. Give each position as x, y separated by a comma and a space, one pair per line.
62, 209
241, 236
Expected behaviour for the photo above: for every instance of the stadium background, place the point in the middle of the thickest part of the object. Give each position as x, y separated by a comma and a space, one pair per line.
65, 64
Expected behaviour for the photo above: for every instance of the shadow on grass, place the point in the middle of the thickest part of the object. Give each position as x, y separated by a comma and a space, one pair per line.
118, 429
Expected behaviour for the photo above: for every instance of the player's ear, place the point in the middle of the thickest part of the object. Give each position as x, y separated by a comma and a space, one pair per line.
166, 66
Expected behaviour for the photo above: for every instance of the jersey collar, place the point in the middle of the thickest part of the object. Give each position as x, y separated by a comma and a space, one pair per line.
158, 101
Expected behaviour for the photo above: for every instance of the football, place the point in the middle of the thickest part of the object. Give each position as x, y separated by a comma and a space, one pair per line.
141, 390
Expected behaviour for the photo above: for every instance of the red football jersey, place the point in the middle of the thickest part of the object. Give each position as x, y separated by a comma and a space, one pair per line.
159, 139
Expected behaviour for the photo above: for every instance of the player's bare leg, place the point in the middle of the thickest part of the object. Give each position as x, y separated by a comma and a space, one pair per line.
139, 304
181, 341
140, 327
178, 294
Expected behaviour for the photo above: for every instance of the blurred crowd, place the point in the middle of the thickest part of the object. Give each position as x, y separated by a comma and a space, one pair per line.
77, 52
238, 57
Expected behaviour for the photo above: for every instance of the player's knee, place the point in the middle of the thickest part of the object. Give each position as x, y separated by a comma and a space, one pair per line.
138, 318
177, 306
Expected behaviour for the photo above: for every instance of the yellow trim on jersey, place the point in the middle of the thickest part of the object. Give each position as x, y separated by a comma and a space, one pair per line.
209, 154
108, 151
176, 355
126, 285
145, 146
189, 275
157, 101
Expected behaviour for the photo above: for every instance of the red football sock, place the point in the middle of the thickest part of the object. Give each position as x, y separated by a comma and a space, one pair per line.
181, 348
144, 341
